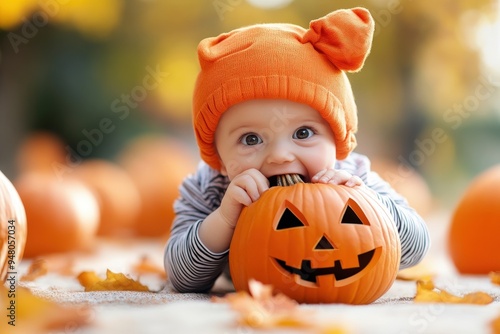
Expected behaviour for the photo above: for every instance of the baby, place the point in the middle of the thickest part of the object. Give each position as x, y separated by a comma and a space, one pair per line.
274, 99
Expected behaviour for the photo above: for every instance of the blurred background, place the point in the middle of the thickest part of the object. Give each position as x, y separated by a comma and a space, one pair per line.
99, 73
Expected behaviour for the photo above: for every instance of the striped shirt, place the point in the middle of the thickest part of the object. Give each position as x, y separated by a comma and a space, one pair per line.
191, 267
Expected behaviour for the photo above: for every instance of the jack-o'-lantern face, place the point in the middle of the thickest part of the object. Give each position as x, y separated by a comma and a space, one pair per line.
292, 221
317, 243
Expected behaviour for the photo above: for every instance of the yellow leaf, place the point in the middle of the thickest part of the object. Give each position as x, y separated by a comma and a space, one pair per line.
495, 325
334, 329
428, 293
495, 277
88, 279
32, 314
113, 282
262, 309
419, 272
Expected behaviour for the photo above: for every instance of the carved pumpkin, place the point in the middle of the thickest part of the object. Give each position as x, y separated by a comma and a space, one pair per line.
13, 228
317, 243
474, 233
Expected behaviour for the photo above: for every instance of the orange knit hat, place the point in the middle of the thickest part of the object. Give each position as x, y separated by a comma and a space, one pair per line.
284, 61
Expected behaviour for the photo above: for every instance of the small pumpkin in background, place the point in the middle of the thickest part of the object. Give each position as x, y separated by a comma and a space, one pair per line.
117, 194
317, 243
474, 232
408, 182
40, 151
158, 165
13, 228
62, 215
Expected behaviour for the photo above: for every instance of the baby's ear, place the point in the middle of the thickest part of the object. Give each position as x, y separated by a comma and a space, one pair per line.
344, 36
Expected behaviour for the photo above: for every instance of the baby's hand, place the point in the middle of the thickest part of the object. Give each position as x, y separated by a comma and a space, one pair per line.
243, 190
334, 176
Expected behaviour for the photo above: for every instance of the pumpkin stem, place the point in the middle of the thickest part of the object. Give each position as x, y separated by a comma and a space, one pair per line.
288, 180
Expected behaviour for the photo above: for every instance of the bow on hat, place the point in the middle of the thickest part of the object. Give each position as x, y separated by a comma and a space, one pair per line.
344, 36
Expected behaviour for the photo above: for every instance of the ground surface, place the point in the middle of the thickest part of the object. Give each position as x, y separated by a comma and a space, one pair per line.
166, 311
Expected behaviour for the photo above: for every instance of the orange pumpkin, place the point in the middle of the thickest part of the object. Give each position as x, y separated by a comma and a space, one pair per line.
474, 233
317, 243
62, 215
41, 151
13, 228
157, 164
408, 182
118, 197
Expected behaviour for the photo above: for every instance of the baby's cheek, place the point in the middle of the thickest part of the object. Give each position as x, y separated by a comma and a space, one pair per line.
232, 169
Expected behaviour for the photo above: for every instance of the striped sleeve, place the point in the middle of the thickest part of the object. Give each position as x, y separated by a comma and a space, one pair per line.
190, 266
413, 232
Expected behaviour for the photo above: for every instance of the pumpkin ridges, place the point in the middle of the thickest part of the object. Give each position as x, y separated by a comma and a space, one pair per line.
62, 214
385, 231
318, 203
11, 207
244, 229
475, 225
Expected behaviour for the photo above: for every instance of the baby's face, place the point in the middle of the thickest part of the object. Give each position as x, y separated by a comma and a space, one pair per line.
276, 137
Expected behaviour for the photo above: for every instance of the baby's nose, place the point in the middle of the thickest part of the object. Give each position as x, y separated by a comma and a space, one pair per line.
280, 153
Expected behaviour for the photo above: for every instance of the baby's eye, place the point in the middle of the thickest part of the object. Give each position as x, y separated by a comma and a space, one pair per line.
303, 133
250, 139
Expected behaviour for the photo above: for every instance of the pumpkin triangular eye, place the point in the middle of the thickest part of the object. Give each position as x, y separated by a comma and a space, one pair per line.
350, 217
288, 220
323, 243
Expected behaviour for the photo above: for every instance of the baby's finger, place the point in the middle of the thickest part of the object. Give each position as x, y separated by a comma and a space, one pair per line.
241, 195
354, 181
340, 177
248, 185
321, 177
260, 182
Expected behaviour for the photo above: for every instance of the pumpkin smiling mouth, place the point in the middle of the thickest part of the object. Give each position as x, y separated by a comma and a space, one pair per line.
309, 274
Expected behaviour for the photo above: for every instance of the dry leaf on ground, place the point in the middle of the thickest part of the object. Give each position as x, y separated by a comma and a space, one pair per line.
335, 329
495, 277
36, 269
62, 265
495, 325
262, 309
27, 313
419, 272
147, 266
428, 293
113, 282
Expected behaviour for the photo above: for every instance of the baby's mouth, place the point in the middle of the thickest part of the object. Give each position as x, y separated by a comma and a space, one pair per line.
285, 180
